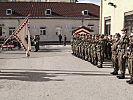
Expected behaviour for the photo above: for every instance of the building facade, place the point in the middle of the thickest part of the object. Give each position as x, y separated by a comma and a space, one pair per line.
116, 14
47, 20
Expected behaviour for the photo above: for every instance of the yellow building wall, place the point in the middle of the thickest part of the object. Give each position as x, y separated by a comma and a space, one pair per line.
117, 14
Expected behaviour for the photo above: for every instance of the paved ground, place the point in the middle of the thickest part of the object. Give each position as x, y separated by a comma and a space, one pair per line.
55, 74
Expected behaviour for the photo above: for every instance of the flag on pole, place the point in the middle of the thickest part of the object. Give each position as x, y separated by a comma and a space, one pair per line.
23, 36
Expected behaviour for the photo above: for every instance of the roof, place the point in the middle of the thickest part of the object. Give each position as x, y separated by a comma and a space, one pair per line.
83, 27
59, 9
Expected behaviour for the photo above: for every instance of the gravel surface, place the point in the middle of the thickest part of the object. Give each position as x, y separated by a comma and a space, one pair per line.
54, 73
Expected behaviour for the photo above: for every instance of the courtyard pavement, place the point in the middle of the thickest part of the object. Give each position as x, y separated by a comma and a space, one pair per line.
54, 73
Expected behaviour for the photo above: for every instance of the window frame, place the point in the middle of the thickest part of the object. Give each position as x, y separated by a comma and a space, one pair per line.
42, 29
12, 29
47, 11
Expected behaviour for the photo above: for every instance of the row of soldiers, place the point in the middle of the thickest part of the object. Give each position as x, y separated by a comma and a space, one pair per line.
97, 48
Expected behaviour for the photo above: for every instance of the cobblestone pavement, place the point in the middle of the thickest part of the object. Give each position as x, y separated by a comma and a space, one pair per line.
54, 73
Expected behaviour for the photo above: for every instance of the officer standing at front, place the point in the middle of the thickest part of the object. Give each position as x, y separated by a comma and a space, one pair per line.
124, 41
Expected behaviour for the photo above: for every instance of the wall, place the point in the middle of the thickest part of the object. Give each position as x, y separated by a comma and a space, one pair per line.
117, 14
50, 24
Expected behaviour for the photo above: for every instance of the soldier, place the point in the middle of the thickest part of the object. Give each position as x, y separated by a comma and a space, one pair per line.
92, 48
115, 55
89, 48
109, 44
65, 38
123, 44
72, 44
130, 59
36, 42
95, 50
106, 46
100, 51
86, 47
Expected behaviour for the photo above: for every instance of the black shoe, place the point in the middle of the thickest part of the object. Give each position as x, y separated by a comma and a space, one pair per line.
114, 73
130, 82
99, 66
121, 76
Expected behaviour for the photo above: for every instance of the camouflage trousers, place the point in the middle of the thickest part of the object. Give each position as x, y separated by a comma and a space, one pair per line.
100, 56
130, 66
121, 62
89, 54
115, 62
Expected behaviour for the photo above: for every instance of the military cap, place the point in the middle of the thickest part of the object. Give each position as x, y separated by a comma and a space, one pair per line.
102, 36
97, 35
117, 34
124, 29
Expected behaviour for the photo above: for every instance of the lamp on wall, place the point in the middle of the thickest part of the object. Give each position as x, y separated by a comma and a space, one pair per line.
112, 4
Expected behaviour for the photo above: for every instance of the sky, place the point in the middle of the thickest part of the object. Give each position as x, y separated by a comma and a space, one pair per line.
90, 1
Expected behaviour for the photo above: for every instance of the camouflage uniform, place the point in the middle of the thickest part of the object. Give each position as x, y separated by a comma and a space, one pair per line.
100, 52
130, 61
123, 44
115, 55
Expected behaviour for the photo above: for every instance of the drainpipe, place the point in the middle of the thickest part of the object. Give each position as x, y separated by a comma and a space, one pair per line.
101, 12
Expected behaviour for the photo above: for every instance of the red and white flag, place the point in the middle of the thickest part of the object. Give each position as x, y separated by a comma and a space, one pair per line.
23, 36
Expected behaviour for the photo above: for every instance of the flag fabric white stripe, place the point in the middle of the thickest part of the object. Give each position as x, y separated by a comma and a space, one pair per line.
23, 36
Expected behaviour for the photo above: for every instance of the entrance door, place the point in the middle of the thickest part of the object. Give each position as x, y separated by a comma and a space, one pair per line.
0, 31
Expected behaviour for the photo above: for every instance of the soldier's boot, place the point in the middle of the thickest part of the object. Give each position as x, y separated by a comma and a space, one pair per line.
130, 81
114, 72
86, 58
95, 62
100, 66
121, 76
90, 59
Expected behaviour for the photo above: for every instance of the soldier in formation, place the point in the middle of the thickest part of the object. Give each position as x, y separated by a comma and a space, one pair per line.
97, 48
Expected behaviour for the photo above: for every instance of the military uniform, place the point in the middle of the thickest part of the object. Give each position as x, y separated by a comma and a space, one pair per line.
100, 52
123, 44
89, 48
130, 61
95, 58
115, 55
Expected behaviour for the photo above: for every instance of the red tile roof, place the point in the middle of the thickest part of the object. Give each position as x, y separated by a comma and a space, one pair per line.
37, 9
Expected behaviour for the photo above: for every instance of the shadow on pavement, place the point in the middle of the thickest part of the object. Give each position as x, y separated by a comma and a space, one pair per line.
43, 76
82, 71
50, 50
28, 76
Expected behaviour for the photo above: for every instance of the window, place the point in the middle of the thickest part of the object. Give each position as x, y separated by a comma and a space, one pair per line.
9, 12
128, 23
85, 12
48, 12
107, 21
11, 30
91, 26
42, 30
